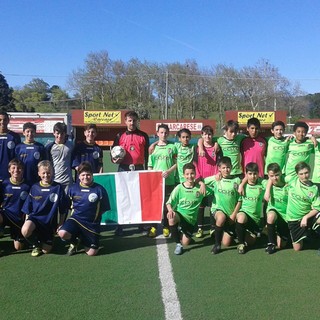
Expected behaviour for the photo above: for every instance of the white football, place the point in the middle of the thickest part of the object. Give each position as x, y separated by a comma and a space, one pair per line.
118, 152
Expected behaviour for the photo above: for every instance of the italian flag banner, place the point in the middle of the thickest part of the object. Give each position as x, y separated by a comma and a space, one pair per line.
135, 196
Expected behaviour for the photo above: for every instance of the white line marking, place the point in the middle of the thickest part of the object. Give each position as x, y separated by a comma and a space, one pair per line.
168, 287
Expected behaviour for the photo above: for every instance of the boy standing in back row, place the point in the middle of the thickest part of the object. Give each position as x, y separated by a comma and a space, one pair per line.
30, 152
8, 142
253, 147
59, 153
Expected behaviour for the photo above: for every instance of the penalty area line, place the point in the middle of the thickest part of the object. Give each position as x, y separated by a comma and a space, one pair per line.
168, 286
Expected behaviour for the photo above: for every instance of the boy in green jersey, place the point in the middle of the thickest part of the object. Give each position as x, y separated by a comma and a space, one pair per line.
183, 206
300, 149
225, 205
303, 205
276, 196
316, 167
164, 158
250, 211
229, 144
277, 146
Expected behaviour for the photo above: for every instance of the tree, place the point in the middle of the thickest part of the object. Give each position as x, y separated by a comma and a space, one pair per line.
6, 100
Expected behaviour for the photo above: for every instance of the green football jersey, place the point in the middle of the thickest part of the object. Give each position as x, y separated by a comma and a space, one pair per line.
297, 152
231, 149
301, 199
187, 201
276, 152
278, 200
226, 193
252, 200
316, 167
163, 158
184, 155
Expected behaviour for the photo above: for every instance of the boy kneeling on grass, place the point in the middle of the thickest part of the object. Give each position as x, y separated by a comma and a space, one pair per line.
303, 206
250, 212
183, 206
45, 200
88, 201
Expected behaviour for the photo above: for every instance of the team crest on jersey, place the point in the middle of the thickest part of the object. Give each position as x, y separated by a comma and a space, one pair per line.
53, 197
169, 150
95, 155
36, 155
235, 186
11, 145
93, 197
213, 154
197, 194
310, 194
23, 195
132, 148
260, 144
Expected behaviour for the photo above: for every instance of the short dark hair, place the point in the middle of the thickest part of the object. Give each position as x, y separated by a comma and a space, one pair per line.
29, 125
183, 130
253, 122
207, 130
16, 162
131, 114
300, 124
91, 126
85, 166
252, 167
302, 165
3, 113
231, 124
278, 123
274, 167
224, 160
163, 126
188, 166
60, 127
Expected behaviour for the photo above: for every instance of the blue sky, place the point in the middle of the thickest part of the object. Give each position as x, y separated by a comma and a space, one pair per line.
49, 39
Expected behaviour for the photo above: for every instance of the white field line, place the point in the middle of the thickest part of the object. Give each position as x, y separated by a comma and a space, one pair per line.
168, 287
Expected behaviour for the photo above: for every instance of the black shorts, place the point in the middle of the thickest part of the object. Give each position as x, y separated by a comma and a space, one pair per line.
282, 227
44, 233
299, 233
206, 201
251, 226
88, 238
229, 226
186, 228
15, 228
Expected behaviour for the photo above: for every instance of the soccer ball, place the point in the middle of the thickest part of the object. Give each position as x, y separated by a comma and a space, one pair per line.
118, 152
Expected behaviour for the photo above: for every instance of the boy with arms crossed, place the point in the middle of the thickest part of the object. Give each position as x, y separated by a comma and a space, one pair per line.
30, 152
225, 205
206, 166
13, 193
250, 212
45, 200
183, 205
276, 196
164, 158
303, 205
88, 150
88, 201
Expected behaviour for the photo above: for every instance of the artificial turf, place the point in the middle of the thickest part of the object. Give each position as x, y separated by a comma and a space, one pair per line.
122, 282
